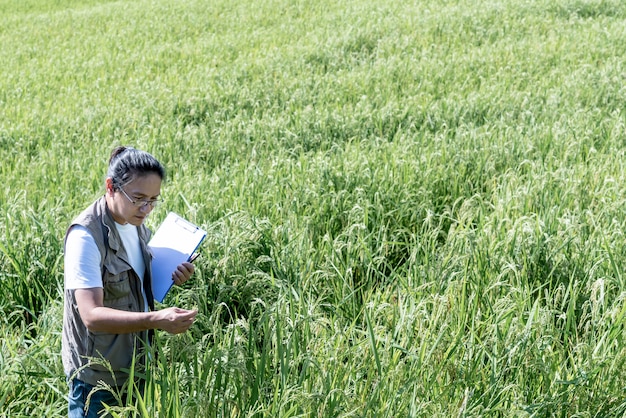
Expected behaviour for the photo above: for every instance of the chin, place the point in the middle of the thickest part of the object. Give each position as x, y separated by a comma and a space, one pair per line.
136, 221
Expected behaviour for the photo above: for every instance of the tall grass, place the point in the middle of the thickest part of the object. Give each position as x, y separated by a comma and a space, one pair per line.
415, 208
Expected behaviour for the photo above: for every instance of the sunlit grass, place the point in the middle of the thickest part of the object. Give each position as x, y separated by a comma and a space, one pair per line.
414, 208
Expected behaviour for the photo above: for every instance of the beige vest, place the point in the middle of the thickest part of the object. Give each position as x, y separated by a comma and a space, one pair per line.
97, 356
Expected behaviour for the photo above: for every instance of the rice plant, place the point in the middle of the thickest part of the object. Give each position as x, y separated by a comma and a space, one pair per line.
415, 208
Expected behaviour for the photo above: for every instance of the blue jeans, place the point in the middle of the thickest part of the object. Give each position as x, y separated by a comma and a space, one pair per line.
83, 406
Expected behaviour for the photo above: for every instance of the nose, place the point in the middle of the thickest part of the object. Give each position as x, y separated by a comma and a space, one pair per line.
147, 208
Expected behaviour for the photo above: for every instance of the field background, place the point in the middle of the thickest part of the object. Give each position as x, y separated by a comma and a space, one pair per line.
415, 208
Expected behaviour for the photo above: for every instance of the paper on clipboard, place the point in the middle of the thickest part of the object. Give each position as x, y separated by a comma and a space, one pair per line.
173, 243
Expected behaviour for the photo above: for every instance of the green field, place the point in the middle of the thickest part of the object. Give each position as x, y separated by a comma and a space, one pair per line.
415, 208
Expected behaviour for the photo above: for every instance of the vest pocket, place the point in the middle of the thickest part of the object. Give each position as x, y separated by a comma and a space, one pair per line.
111, 352
118, 292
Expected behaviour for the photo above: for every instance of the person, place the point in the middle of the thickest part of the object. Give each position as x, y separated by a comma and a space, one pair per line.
109, 312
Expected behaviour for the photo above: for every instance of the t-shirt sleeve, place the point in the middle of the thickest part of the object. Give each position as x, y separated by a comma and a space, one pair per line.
82, 260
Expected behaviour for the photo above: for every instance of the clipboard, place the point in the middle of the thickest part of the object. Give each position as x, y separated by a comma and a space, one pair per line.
173, 243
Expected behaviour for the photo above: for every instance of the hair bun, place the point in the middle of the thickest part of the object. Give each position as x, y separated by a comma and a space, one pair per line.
117, 152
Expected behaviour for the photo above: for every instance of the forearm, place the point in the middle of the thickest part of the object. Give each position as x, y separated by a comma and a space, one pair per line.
115, 321
99, 318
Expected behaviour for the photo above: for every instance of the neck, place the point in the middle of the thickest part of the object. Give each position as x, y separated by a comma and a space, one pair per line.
111, 207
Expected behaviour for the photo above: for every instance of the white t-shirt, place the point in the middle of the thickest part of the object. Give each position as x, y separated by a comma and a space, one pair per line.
82, 257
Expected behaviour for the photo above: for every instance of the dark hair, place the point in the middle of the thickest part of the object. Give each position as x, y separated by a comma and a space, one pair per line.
127, 163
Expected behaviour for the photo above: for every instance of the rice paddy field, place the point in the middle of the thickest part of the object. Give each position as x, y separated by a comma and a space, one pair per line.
415, 208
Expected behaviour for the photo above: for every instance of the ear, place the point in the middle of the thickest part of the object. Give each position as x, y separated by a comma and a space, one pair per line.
109, 185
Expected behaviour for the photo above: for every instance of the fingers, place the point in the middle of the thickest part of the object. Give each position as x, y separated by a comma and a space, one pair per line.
182, 273
186, 314
176, 320
186, 320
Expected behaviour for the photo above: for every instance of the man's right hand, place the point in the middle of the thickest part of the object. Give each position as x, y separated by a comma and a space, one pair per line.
175, 320
99, 318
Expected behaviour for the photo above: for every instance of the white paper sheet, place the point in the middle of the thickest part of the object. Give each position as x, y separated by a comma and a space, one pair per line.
173, 243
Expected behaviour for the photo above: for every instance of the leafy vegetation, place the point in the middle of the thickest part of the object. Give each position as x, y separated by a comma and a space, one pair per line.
415, 208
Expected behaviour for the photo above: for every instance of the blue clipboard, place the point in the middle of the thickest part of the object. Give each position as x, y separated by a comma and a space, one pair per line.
173, 243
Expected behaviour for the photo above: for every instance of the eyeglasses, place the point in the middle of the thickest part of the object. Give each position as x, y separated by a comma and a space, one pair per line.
140, 203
